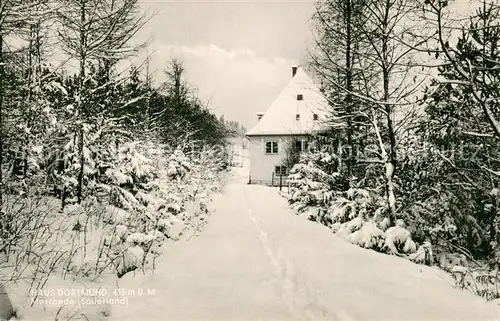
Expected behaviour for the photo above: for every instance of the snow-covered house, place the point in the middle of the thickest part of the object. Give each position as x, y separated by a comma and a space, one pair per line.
299, 111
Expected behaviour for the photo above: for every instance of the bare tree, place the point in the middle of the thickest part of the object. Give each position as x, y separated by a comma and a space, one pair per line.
384, 65
394, 48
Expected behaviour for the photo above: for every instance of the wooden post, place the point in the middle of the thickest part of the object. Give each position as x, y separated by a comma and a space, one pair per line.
281, 181
272, 179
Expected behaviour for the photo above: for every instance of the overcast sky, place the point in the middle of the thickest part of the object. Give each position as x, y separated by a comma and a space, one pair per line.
237, 53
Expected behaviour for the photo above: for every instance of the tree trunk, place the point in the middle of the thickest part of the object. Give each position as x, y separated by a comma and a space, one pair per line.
1, 119
81, 103
350, 156
391, 161
28, 101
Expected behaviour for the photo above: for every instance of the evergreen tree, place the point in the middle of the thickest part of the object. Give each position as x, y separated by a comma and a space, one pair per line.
463, 109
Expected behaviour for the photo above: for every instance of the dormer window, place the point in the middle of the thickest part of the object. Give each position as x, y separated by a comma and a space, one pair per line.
300, 97
297, 117
315, 116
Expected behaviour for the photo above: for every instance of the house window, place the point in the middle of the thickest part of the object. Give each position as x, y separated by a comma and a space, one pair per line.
272, 147
298, 146
269, 147
280, 170
315, 116
301, 146
297, 117
300, 97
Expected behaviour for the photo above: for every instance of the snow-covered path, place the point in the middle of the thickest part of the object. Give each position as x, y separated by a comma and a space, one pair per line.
256, 260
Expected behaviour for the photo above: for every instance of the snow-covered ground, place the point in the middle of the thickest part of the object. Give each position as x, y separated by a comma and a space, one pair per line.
256, 260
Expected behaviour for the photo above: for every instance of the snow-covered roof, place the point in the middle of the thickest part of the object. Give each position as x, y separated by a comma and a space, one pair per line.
281, 117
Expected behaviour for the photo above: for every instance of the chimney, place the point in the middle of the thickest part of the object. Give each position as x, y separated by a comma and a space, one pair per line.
294, 70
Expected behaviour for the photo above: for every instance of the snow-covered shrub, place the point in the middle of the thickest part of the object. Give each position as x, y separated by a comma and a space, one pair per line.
398, 240
140, 239
131, 166
311, 187
368, 236
449, 260
178, 165
131, 259
480, 281
115, 215
174, 228
358, 215
423, 255
357, 202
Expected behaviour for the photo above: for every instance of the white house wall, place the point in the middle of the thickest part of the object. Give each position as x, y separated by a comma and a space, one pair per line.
262, 164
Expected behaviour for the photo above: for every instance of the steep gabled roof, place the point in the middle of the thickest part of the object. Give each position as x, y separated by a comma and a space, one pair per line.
280, 119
